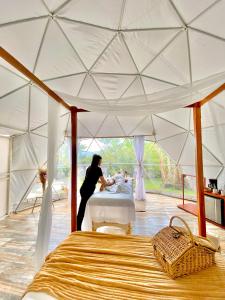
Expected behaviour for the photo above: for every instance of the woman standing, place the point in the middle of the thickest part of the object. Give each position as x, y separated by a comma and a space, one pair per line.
93, 175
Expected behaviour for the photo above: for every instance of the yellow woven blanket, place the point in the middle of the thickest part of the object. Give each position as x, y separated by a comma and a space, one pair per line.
94, 266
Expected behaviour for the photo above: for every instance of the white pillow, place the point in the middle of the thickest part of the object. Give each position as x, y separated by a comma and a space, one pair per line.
111, 188
118, 178
124, 187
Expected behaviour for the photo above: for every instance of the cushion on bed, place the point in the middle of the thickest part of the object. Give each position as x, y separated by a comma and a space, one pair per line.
124, 187
121, 187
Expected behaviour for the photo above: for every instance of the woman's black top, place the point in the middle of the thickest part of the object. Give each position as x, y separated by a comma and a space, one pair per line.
91, 178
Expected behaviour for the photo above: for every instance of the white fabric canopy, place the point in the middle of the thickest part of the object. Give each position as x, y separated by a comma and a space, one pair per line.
139, 152
162, 101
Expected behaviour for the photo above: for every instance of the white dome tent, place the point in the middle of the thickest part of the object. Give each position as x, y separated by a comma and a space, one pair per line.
135, 65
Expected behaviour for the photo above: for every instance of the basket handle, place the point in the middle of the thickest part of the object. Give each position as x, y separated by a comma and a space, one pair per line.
186, 225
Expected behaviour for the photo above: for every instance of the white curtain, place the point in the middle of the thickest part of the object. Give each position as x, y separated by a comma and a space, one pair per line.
45, 219
139, 152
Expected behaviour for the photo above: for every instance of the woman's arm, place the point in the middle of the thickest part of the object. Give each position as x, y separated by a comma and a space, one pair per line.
105, 183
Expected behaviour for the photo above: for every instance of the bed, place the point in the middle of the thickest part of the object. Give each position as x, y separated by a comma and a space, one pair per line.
93, 265
113, 207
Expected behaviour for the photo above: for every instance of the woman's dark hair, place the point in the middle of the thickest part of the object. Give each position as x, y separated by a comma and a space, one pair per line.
95, 160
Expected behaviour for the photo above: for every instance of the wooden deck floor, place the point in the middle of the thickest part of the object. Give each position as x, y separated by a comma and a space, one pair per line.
18, 234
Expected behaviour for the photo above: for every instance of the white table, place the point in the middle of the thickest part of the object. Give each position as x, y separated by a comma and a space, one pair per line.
111, 209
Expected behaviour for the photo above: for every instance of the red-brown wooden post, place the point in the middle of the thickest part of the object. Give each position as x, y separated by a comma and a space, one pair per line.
199, 170
73, 168
183, 177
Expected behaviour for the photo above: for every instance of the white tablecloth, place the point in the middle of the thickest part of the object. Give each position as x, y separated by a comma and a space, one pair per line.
109, 207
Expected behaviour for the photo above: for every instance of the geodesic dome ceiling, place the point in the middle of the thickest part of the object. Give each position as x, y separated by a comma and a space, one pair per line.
133, 64
121, 55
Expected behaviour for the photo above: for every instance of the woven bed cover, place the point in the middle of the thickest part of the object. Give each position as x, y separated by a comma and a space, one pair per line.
102, 266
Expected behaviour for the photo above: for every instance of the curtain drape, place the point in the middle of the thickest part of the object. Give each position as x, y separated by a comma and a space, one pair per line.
139, 152
45, 219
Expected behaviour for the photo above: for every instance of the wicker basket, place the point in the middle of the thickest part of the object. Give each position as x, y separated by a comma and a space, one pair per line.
180, 253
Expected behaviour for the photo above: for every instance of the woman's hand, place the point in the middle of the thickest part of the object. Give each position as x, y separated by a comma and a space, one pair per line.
105, 183
102, 187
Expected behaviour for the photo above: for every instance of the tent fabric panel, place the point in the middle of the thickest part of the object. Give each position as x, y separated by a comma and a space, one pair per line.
54, 4
116, 58
5, 131
105, 129
4, 197
113, 86
4, 171
9, 81
145, 45
57, 54
20, 185
210, 138
169, 146
88, 41
149, 14
82, 131
152, 86
207, 116
220, 99
165, 129
144, 128
40, 147
4, 64
191, 9
102, 13
134, 89
130, 123
221, 179
89, 89
209, 172
180, 117
209, 23
23, 155
14, 109
172, 63
70, 84
23, 40
38, 107
4, 157
202, 46
43, 131
92, 121
188, 155
14, 10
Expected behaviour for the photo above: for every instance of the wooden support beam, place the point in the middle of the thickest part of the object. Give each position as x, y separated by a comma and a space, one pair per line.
21, 68
209, 97
73, 168
217, 91
199, 170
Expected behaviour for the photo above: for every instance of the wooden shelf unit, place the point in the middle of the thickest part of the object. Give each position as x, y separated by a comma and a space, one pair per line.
193, 209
